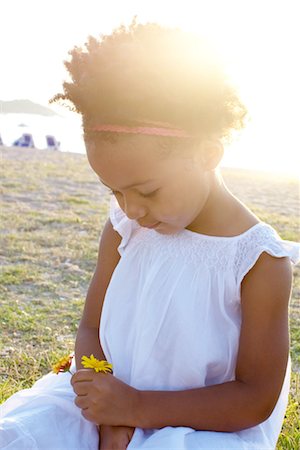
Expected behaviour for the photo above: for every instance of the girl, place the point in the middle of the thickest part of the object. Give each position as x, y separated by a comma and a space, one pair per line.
190, 293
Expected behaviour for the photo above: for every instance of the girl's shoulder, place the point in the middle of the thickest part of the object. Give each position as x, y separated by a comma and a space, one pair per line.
260, 238
254, 237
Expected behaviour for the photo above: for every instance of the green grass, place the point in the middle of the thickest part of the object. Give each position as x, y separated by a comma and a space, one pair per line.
52, 212
289, 438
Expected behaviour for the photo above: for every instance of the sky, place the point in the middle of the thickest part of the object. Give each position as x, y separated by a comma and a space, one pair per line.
258, 41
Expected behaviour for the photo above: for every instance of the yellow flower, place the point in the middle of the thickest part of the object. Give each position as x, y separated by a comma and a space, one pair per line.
63, 365
94, 363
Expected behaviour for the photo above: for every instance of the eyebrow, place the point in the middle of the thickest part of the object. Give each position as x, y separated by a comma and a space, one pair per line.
129, 186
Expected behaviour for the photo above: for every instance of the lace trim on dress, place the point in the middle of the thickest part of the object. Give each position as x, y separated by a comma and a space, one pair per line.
262, 239
191, 249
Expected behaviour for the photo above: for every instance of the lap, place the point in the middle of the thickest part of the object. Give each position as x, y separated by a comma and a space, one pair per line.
46, 417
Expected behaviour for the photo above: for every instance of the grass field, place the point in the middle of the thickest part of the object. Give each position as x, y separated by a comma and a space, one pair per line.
52, 212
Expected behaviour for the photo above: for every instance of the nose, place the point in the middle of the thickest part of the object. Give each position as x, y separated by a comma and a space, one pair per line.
134, 209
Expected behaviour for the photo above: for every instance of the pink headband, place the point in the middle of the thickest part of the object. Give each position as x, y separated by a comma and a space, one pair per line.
152, 131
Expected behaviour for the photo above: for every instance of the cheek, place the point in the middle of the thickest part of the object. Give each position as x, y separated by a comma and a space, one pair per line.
171, 208
184, 203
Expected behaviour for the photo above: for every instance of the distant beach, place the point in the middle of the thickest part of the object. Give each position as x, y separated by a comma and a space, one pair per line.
66, 129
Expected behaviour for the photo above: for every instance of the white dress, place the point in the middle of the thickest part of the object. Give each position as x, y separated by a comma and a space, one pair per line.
170, 321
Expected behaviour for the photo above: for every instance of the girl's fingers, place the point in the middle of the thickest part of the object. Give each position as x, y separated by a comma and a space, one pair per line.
81, 388
82, 375
81, 401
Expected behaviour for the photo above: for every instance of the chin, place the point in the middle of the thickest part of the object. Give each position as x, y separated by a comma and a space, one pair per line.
167, 229
164, 231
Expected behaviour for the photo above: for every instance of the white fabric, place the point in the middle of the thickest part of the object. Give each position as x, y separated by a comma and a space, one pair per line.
170, 321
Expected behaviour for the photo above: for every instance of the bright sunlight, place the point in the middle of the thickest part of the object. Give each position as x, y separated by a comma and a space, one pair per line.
257, 40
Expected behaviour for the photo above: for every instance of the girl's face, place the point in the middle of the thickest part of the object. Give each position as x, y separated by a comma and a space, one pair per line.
166, 193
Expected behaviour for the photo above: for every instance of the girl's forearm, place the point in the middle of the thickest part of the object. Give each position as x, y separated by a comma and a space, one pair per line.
87, 343
228, 407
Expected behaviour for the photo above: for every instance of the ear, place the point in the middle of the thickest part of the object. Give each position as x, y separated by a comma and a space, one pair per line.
211, 154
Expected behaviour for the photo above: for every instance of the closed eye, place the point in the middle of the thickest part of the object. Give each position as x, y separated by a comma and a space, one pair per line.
150, 194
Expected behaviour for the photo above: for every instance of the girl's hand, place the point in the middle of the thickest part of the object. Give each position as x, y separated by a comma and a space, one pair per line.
114, 438
104, 399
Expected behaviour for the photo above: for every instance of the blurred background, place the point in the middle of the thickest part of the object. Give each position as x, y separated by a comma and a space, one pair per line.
258, 41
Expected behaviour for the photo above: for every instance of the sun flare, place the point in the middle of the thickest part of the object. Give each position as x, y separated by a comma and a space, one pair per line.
258, 42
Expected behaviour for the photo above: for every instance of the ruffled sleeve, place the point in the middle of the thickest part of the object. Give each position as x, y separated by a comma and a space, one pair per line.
263, 239
121, 224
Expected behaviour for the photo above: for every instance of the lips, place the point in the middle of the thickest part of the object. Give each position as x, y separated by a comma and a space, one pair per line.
153, 225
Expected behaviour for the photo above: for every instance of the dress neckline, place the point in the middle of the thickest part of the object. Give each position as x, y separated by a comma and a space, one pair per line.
208, 236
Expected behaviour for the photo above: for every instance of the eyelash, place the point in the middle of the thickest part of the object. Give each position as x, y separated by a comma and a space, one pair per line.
151, 194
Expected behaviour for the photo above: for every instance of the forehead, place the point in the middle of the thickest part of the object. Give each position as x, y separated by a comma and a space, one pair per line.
132, 160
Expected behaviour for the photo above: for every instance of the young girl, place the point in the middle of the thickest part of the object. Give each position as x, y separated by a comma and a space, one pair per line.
190, 293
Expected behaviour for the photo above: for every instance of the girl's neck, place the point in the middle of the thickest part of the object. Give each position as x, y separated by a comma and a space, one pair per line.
223, 214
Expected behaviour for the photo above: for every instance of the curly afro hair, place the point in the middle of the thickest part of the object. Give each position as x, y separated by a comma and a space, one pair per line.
147, 73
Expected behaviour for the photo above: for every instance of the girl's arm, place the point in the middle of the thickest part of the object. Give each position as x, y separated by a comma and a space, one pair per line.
87, 339
261, 364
